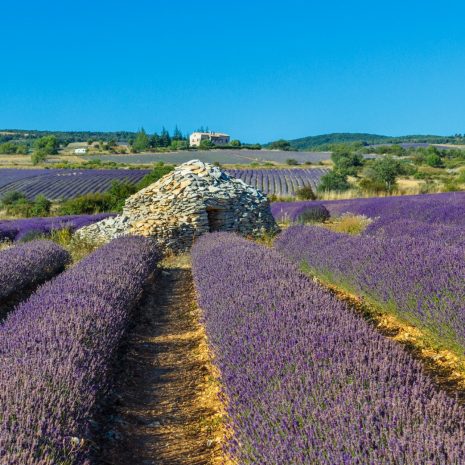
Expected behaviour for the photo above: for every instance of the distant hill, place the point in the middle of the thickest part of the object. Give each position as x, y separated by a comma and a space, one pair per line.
67, 137
323, 141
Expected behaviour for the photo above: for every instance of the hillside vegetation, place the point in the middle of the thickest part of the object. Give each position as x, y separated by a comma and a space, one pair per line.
324, 141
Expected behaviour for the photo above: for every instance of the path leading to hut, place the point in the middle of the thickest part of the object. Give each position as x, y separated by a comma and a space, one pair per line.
167, 409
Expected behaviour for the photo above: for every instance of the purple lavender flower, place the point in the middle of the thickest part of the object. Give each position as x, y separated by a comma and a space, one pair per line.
307, 380
56, 351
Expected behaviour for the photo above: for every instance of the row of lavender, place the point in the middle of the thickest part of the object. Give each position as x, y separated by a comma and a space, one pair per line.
281, 182
446, 208
27, 265
419, 278
308, 381
57, 184
17, 230
56, 352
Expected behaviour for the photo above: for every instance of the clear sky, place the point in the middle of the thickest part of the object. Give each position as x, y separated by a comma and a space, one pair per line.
259, 70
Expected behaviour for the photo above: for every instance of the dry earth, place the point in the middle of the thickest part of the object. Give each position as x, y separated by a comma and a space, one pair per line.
168, 410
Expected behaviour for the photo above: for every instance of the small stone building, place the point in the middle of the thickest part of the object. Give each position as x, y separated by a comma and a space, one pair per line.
193, 199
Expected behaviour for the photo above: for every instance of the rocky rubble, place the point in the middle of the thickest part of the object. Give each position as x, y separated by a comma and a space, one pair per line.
193, 199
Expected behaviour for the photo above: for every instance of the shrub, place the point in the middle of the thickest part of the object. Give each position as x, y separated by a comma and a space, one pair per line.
334, 181
292, 161
158, 171
314, 214
86, 204
305, 193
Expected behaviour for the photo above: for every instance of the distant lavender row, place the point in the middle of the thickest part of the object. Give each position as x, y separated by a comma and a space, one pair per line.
56, 184
16, 230
280, 182
307, 380
421, 279
56, 351
446, 208
26, 265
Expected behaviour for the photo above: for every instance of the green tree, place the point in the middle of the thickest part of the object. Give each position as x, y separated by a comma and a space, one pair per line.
235, 143
155, 141
47, 145
206, 144
177, 134
347, 161
38, 156
434, 160
385, 170
8, 148
141, 142
165, 139
334, 181
280, 144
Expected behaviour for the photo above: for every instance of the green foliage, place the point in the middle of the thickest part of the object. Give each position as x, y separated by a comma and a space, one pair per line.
305, 193
325, 141
280, 144
235, 143
16, 204
158, 171
179, 145
41, 206
334, 181
119, 192
384, 171
141, 143
347, 161
10, 148
434, 160
38, 156
395, 149
47, 145
206, 144
86, 204
292, 161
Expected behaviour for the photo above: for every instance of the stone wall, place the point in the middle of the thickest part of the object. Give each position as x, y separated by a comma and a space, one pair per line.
193, 199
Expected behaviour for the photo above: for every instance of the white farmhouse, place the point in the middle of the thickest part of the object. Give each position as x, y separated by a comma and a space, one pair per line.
80, 151
216, 138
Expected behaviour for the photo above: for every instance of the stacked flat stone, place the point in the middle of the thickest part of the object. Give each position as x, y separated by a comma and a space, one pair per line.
193, 199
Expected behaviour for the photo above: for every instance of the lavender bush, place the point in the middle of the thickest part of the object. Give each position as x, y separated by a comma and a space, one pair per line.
307, 380
419, 278
26, 265
16, 230
56, 351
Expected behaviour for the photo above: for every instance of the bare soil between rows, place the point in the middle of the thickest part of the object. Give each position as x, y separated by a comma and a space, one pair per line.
167, 409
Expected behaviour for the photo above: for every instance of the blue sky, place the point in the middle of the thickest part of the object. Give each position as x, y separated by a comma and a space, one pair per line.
259, 70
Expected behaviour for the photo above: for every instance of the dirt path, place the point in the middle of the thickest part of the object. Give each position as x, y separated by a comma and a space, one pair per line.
168, 410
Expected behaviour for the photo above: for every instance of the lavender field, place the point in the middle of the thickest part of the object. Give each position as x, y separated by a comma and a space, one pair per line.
50, 383
281, 183
57, 184
299, 376
445, 208
307, 380
17, 230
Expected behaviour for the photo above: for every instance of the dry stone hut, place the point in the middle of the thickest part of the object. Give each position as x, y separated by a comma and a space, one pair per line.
193, 199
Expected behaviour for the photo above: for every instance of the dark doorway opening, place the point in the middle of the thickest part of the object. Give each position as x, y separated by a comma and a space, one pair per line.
215, 219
